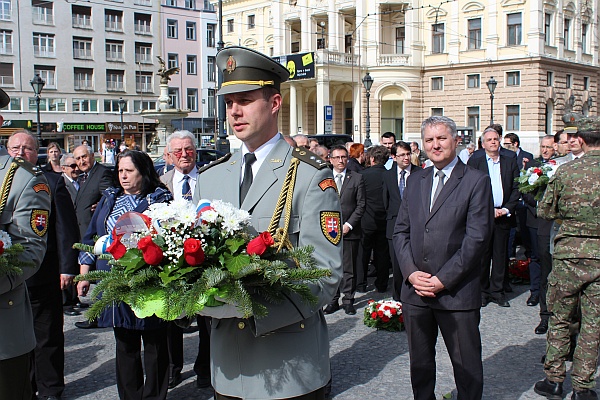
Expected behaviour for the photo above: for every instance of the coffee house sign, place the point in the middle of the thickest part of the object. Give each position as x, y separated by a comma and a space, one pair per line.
109, 127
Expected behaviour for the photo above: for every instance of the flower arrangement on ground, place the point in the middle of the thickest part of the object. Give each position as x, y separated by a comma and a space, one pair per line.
384, 314
10, 264
535, 179
175, 259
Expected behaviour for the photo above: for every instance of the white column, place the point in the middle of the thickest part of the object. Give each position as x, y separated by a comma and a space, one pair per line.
293, 109
306, 27
322, 98
333, 27
453, 40
535, 36
300, 110
359, 136
492, 36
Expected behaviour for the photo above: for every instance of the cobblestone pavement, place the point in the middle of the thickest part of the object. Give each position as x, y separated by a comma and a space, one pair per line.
366, 364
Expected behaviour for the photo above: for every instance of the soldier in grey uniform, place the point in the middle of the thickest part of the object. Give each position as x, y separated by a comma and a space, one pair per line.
24, 214
284, 355
573, 195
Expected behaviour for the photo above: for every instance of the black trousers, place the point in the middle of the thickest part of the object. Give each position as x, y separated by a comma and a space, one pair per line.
348, 282
460, 330
14, 378
318, 394
130, 373
492, 283
175, 343
48, 361
376, 242
397, 278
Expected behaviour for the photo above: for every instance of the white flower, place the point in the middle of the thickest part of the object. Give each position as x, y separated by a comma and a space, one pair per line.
552, 170
5, 238
533, 178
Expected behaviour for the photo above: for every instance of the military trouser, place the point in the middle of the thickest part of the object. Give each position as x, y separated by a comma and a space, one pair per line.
570, 282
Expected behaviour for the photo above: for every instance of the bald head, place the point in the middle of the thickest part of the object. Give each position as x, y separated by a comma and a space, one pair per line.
24, 145
83, 158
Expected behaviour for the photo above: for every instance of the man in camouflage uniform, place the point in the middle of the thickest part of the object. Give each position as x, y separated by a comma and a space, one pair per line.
573, 195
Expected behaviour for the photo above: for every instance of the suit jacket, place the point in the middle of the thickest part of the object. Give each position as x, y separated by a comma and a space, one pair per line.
353, 203
375, 216
167, 179
70, 188
521, 155
286, 353
503, 152
509, 171
391, 196
60, 257
99, 178
27, 199
448, 241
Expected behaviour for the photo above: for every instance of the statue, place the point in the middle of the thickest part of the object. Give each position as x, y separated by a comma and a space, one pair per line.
165, 73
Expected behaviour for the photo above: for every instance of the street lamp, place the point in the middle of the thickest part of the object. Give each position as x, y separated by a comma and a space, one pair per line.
37, 84
491, 84
368, 82
322, 25
121, 108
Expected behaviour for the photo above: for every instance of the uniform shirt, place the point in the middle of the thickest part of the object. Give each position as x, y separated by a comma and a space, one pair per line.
261, 154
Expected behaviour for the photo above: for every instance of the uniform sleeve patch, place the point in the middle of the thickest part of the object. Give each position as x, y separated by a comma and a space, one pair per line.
41, 187
327, 183
330, 226
39, 222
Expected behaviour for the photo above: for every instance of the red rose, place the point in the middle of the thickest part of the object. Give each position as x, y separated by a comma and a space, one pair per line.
374, 315
393, 311
192, 252
552, 162
385, 318
1, 247
117, 249
259, 244
401, 318
538, 171
380, 313
153, 254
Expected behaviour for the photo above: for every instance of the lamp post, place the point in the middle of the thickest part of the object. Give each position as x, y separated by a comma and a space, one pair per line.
121, 108
322, 25
37, 84
368, 82
491, 84
590, 101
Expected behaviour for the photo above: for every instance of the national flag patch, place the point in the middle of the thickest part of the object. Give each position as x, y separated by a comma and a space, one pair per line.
327, 183
330, 226
39, 222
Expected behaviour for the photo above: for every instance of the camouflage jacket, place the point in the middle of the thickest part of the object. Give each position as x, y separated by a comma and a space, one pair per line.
573, 195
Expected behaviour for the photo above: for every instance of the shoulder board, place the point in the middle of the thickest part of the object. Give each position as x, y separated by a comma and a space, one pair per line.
27, 166
216, 162
309, 157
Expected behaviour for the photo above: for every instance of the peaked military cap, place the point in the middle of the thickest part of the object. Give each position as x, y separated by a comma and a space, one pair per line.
245, 70
4, 99
587, 124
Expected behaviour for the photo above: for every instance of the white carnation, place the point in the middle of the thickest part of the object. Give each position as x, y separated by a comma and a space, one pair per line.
533, 178
5, 238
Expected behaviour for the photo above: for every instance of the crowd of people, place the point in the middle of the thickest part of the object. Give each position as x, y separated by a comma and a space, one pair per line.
443, 225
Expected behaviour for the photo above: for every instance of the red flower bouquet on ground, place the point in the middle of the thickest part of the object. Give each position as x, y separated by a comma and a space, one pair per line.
384, 314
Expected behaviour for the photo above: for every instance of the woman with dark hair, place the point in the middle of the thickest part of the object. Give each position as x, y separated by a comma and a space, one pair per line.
356, 157
53, 161
139, 186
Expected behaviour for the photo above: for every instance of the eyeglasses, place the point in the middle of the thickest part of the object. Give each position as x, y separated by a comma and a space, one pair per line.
179, 153
341, 158
403, 155
72, 166
21, 149
508, 144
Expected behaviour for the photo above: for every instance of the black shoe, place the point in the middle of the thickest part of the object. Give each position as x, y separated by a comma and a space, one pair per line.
331, 308
485, 300
361, 288
542, 328
81, 305
87, 324
71, 312
501, 301
175, 380
549, 389
349, 309
533, 300
586, 394
203, 382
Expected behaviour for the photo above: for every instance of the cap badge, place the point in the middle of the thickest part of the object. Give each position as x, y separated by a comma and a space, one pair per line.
230, 66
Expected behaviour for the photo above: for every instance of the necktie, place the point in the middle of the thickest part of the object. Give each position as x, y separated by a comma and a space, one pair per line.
82, 178
338, 182
441, 176
186, 190
402, 185
76, 185
249, 159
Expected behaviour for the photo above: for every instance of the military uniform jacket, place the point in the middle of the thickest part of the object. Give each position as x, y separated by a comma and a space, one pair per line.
25, 219
573, 195
286, 353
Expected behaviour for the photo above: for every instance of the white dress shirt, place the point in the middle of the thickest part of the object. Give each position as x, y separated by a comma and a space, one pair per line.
178, 179
261, 154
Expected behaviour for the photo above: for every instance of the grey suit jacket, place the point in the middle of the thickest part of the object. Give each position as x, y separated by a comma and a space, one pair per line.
449, 241
167, 179
24, 203
286, 353
70, 188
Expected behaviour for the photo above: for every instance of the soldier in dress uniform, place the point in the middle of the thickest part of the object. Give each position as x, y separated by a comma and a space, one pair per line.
573, 195
24, 214
284, 355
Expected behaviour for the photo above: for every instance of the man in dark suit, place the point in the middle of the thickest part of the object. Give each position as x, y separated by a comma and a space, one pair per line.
394, 184
57, 271
444, 224
480, 152
93, 179
351, 189
502, 171
373, 222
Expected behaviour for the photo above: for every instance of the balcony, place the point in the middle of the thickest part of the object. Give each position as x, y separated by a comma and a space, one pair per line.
393, 60
115, 86
82, 54
142, 2
83, 84
41, 17
43, 52
143, 58
7, 81
5, 15
142, 29
7, 48
113, 26
143, 87
114, 56
333, 57
82, 21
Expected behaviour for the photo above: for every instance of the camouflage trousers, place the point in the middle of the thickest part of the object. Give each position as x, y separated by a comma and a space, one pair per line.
570, 282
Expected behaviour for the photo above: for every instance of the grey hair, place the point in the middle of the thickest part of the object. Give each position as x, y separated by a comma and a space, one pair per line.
490, 129
299, 135
440, 120
471, 145
183, 134
63, 159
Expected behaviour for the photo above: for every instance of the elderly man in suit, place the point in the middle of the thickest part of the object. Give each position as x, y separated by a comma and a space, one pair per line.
444, 225
284, 355
394, 185
56, 273
92, 180
24, 217
351, 188
181, 181
70, 175
502, 171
